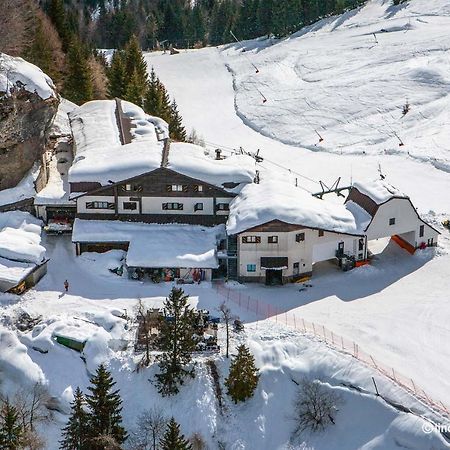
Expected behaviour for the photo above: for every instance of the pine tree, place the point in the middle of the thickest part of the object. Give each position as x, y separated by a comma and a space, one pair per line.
135, 65
173, 439
176, 128
243, 377
177, 342
78, 84
105, 418
157, 100
264, 14
57, 15
117, 80
134, 92
75, 433
11, 430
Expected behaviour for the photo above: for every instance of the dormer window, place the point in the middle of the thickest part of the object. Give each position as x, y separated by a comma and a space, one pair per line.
176, 188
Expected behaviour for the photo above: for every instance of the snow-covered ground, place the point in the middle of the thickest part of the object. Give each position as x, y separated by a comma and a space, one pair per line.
97, 309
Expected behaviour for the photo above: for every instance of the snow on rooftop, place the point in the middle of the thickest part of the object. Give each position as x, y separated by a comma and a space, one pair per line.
378, 190
16, 72
196, 162
13, 272
277, 200
153, 245
100, 156
20, 237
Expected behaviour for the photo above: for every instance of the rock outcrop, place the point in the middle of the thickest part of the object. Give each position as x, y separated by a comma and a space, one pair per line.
28, 104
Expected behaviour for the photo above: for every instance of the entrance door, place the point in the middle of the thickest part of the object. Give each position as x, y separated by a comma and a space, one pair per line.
274, 277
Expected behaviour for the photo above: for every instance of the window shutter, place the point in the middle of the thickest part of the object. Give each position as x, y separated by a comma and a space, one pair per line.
111, 206
89, 205
169, 188
185, 188
164, 206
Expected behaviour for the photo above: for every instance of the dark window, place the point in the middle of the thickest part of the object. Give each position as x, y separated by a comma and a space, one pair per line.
172, 206
223, 207
272, 239
198, 207
99, 205
361, 244
360, 256
129, 205
300, 237
251, 239
321, 233
392, 221
251, 267
296, 268
422, 230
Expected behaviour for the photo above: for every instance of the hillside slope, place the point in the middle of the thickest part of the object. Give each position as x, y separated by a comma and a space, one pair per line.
349, 77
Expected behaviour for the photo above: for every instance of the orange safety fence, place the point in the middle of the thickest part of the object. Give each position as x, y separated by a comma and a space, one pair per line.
264, 310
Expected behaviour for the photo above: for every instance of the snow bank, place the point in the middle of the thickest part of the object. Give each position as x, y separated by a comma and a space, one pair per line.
61, 124
20, 237
24, 190
378, 190
16, 72
17, 370
14, 271
276, 200
196, 162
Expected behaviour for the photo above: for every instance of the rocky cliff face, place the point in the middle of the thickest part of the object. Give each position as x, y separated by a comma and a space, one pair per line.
28, 104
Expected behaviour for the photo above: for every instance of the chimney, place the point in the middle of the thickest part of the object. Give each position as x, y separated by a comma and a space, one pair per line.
218, 152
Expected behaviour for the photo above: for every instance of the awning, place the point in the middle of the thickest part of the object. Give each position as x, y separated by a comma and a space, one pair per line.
274, 262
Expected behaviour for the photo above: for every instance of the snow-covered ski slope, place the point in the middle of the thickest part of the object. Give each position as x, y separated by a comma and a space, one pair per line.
334, 79
349, 77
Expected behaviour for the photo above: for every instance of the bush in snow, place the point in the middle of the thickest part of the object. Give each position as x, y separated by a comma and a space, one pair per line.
173, 439
177, 341
150, 428
243, 377
315, 407
197, 442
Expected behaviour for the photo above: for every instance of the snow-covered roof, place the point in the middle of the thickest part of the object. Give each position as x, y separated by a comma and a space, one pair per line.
277, 200
196, 162
379, 190
20, 237
13, 272
16, 72
100, 156
153, 245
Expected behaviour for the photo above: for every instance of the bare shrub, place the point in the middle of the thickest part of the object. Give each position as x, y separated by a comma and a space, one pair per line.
197, 442
150, 428
315, 407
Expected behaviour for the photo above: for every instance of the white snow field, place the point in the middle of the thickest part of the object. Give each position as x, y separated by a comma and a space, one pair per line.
95, 310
